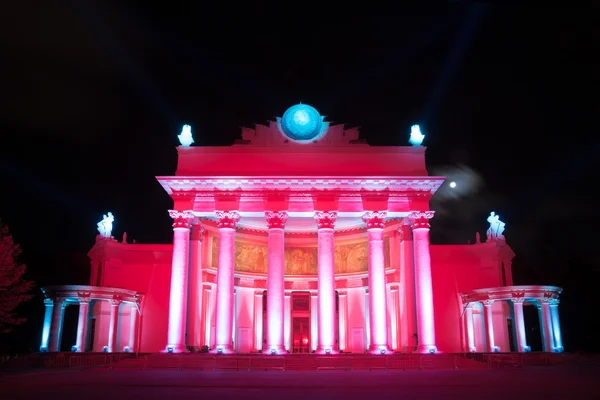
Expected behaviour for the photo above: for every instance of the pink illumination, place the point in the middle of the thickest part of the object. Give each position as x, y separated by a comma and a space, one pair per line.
179, 280
326, 282
470, 329
224, 318
112, 328
423, 283
520, 323
275, 284
377, 288
488, 319
82, 323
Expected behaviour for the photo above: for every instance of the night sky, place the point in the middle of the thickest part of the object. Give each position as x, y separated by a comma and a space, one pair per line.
95, 94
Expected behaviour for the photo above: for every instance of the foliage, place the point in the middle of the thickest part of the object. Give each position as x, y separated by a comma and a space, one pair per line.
14, 290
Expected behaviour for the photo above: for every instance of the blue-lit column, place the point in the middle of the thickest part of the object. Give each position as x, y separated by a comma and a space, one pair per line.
58, 314
558, 346
49, 304
546, 324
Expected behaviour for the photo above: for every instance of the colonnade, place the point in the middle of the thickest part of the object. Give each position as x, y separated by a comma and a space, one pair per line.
325, 299
549, 324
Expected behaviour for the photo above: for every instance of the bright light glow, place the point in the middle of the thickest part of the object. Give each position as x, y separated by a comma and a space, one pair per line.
416, 137
301, 117
452, 185
185, 138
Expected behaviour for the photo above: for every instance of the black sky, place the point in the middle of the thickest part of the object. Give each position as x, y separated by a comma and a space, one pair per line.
95, 93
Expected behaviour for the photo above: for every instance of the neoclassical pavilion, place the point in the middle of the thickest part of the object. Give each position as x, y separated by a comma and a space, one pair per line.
299, 238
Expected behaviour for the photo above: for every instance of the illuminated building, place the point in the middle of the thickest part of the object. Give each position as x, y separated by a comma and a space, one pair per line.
301, 238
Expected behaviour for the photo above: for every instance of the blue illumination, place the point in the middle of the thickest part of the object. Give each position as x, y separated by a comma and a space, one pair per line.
302, 123
416, 137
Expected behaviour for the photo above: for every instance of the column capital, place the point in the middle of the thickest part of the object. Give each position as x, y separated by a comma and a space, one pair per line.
48, 302
554, 302
314, 294
342, 293
516, 300
466, 299
198, 232
84, 297
116, 300
276, 219
545, 300
394, 288
420, 219
181, 219
259, 292
487, 302
325, 219
228, 219
374, 219
207, 286
404, 232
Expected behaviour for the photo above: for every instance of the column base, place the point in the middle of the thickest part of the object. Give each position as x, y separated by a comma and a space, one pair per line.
426, 349
223, 349
175, 348
326, 350
380, 349
275, 350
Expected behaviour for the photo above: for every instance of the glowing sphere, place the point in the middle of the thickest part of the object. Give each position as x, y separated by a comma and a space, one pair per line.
452, 185
302, 122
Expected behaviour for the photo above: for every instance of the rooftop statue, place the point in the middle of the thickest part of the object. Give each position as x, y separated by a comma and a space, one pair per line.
105, 226
494, 232
416, 137
185, 138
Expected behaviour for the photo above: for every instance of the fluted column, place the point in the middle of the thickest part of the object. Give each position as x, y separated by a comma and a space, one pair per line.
287, 322
557, 334
84, 303
470, 329
393, 313
49, 306
326, 281
194, 298
409, 320
115, 302
205, 324
377, 288
546, 324
224, 323
133, 317
258, 320
179, 281
275, 284
423, 283
58, 314
489, 325
314, 320
519, 323
343, 319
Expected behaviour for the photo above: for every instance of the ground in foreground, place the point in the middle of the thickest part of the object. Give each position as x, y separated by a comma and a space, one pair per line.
549, 382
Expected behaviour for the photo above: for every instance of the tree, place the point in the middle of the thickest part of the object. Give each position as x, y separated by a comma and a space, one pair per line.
14, 290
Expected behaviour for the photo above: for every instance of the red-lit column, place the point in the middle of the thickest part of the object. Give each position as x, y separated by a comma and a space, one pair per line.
489, 324
470, 329
423, 285
409, 320
377, 288
519, 323
194, 331
258, 320
275, 284
224, 319
326, 280
343, 320
133, 316
84, 303
115, 302
179, 281
546, 324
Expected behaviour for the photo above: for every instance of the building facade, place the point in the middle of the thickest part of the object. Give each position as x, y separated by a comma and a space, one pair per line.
301, 238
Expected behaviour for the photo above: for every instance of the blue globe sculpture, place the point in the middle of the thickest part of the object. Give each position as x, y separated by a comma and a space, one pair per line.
302, 122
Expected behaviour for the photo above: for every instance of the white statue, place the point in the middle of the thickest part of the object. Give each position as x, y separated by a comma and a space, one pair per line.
496, 228
416, 137
105, 226
185, 138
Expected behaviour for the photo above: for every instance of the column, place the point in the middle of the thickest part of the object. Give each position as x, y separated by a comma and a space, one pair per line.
517, 303
287, 322
326, 281
115, 302
393, 313
205, 324
377, 287
409, 320
58, 314
194, 334
367, 320
258, 320
275, 284
314, 320
546, 324
84, 303
558, 346
179, 281
488, 319
423, 285
343, 317
224, 319
470, 329
133, 317
49, 305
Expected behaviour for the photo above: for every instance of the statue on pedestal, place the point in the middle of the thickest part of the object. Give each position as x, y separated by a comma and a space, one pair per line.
105, 226
494, 232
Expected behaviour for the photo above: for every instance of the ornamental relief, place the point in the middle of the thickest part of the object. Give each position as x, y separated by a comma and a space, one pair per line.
253, 258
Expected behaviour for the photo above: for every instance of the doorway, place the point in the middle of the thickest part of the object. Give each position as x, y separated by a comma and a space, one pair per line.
301, 335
